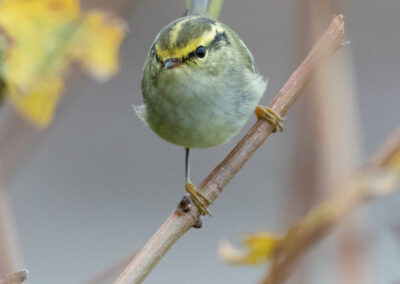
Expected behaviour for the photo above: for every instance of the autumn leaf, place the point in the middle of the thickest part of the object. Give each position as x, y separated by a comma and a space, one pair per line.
259, 248
45, 36
95, 44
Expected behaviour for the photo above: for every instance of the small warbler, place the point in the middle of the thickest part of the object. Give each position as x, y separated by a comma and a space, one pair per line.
200, 85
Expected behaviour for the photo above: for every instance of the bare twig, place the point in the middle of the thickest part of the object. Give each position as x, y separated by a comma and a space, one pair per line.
179, 222
366, 185
15, 278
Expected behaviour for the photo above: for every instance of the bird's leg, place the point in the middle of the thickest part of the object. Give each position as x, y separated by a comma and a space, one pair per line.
197, 197
269, 115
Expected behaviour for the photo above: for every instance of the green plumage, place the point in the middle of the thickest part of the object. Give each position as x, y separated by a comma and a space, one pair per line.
199, 84
202, 102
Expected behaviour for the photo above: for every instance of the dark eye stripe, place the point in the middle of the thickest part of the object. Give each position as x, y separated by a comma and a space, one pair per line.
220, 37
219, 40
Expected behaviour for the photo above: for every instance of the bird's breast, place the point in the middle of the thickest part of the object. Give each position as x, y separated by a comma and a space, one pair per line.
186, 110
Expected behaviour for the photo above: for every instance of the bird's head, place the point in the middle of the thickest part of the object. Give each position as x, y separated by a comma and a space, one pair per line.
192, 41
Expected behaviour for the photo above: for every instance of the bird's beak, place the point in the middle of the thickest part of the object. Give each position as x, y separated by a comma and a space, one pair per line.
172, 63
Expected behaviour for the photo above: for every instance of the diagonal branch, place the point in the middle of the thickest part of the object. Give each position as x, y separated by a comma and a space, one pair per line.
379, 177
179, 221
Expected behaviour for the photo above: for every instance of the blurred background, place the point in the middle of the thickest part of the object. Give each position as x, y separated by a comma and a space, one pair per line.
87, 192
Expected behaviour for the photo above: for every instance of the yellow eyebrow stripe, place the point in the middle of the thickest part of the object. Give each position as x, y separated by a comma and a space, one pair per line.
174, 52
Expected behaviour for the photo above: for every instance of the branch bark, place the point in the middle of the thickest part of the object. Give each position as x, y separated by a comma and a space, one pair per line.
179, 221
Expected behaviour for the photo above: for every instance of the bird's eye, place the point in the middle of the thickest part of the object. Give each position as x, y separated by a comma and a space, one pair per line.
201, 51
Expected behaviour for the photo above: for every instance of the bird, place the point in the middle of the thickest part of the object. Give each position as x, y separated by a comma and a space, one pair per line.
200, 85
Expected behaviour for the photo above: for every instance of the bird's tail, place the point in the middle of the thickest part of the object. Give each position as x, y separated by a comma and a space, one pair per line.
207, 8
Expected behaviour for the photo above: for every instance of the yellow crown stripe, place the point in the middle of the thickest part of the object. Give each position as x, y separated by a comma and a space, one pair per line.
176, 31
174, 52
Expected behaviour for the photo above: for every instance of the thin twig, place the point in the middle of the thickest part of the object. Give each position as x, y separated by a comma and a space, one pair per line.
15, 278
366, 185
179, 222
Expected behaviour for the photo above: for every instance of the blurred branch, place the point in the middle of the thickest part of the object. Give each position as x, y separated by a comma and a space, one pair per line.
385, 154
380, 177
109, 274
10, 254
184, 217
17, 138
15, 278
337, 141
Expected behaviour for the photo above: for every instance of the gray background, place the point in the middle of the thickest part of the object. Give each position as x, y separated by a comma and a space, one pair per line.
100, 183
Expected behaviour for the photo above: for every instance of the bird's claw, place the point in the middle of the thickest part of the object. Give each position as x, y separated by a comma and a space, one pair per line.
271, 116
198, 199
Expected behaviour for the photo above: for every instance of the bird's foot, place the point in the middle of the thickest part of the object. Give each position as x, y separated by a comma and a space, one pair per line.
198, 199
271, 116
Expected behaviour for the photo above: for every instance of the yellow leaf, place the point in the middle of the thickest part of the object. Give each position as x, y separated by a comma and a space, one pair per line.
38, 104
259, 248
97, 42
37, 29
46, 35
